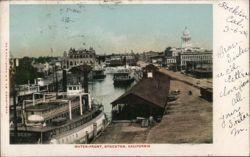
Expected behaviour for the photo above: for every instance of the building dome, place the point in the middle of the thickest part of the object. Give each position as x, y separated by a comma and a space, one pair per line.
186, 32
186, 39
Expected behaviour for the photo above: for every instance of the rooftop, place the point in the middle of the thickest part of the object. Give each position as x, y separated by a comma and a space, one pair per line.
153, 91
44, 106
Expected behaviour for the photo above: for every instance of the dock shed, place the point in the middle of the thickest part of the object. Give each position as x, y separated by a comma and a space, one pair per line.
147, 98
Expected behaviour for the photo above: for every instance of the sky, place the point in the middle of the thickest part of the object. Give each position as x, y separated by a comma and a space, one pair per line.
49, 30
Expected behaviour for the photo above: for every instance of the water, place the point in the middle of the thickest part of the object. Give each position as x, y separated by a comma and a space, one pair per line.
105, 92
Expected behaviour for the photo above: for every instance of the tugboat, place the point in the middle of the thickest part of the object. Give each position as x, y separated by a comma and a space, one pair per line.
71, 116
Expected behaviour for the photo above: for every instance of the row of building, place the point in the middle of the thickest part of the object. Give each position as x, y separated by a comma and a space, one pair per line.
76, 57
190, 59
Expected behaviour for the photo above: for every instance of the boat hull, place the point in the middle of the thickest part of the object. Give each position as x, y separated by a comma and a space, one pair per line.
84, 133
81, 134
118, 83
99, 76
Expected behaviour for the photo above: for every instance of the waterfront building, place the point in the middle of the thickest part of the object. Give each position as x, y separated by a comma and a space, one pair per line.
147, 56
157, 59
170, 61
115, 61
148, 98
120, 60
195, 60
78, 57
150, 68
195, 57
196, 63
130, 60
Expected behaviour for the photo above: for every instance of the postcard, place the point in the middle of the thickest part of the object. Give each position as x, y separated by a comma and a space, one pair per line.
124, 78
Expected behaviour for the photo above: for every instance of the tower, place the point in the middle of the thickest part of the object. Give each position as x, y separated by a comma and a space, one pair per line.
186, 39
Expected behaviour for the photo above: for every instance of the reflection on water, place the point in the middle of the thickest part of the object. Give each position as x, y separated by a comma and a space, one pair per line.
105, 92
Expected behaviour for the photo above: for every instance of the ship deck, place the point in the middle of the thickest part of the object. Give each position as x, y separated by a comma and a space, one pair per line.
49, 127
48, 105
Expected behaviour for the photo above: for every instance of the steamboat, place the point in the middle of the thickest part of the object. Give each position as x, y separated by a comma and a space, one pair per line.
98, 73
123, 78
70, 116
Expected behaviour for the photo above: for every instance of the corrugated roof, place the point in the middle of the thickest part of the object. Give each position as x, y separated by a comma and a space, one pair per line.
152, 90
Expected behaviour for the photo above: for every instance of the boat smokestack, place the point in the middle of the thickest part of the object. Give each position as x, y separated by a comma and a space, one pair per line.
70, 110
85, 82
64, 83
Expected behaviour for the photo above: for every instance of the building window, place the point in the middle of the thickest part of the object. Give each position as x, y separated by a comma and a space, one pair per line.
74, 88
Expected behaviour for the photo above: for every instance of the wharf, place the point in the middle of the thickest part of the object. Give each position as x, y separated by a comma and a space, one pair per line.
189, 119
186, 120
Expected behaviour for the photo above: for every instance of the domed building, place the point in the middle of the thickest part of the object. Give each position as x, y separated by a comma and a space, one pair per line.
186, 39
195, 60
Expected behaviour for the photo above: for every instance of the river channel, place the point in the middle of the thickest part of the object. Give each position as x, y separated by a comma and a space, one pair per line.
105, 92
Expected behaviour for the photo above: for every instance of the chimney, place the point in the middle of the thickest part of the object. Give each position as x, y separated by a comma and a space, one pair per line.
64, 81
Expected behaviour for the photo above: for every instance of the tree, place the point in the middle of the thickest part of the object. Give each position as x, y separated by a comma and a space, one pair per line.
168, 52
25, 72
